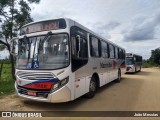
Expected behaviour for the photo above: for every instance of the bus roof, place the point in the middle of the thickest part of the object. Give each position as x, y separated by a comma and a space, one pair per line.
68, 20
132, 54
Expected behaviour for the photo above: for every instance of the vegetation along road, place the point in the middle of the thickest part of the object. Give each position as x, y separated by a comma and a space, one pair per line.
135, 92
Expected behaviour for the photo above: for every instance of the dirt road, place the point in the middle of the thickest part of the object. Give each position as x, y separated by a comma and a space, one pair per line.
135, 92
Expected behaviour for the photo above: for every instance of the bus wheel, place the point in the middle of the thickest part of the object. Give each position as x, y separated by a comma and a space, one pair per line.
135, 70
92, 88
119, 76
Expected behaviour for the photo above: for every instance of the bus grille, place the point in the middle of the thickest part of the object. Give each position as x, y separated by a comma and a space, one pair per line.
24, 91
128, 68
34, 75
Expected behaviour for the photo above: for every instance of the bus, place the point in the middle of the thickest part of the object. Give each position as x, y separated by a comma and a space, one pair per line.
59, 60
133, 63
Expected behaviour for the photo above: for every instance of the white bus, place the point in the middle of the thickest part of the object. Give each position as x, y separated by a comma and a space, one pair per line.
133, 62
60, 60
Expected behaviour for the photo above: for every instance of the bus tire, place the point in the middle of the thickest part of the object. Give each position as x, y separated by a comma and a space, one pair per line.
92, 88
135, 70
119, 76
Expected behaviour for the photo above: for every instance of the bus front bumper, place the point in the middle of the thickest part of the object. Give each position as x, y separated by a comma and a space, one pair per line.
130, 69
61, 95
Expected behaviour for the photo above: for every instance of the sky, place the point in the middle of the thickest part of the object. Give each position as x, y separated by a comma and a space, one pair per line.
132, 24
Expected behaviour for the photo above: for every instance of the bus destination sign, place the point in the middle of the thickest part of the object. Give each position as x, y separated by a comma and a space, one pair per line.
43, 26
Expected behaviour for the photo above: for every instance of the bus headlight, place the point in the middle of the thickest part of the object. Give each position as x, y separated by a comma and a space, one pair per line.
55, 86
64, 81
60, 84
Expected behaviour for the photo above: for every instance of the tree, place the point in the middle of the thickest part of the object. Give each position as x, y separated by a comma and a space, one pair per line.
155, 56
2, 47
13, 15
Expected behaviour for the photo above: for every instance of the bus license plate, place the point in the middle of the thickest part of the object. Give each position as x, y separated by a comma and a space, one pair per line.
31, 93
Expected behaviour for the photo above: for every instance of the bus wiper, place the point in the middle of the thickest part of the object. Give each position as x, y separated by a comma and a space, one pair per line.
48, 34
28, 48
43, 40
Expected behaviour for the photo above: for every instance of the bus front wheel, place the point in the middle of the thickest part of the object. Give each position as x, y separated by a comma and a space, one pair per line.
92, 88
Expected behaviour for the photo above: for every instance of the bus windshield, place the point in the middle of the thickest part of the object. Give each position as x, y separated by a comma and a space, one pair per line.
40, 53
129, 61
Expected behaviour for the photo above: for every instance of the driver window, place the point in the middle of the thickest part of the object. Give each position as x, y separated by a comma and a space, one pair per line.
83, 48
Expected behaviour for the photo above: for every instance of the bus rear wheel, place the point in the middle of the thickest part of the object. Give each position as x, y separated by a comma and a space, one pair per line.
92, 88
135, 70
119, 76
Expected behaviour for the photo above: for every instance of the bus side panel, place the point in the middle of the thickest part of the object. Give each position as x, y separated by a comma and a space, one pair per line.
112, 69
88, 79
106, 77
102, 79
85, 74
82, 80
105, 71
80, 86
122, 66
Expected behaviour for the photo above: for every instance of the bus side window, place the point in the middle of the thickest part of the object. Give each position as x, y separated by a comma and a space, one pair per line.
83, 48
123, 54
116, 52
120, 54
108, 50
111, 48
94, 45
83, 52
104, 49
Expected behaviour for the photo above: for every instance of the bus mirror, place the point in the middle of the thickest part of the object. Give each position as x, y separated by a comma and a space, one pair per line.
14, 46
78, 45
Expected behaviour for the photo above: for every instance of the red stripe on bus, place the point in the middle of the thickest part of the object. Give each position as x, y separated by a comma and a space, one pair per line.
43, 85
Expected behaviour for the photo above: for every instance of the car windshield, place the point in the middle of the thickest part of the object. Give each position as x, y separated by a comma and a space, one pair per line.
43, 52
129, 61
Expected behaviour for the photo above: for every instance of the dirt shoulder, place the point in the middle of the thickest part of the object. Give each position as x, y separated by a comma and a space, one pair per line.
136, 92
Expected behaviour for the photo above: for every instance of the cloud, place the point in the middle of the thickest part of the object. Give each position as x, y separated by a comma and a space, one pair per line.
119, 21
103, 28
145, 34
51, 15
142, 29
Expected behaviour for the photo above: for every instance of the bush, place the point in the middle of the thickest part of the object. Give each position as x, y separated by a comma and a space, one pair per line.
148, 64
6, 61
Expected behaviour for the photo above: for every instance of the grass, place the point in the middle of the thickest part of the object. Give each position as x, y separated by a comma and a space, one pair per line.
6, 72
149, 64
6, 81
6, 87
